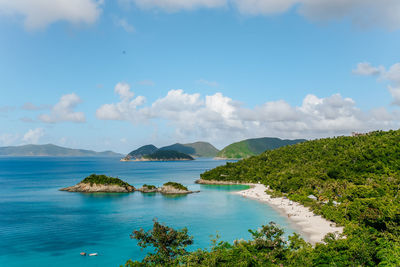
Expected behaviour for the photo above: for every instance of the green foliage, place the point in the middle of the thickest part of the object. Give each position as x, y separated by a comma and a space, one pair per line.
361, 174
168, 155
168, 243
104, 180
142, 151
176, 185
252, 147
149, 186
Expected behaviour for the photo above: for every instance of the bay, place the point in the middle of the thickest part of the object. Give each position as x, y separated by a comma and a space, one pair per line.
41, 226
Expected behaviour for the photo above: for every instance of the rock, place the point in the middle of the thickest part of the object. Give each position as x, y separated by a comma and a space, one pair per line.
148, 189
97, 188
167, 189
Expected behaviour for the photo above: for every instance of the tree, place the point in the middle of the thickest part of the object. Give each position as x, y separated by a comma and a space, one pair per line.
167, 242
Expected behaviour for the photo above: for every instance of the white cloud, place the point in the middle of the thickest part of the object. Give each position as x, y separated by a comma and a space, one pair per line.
363, 13
123, 110
173, 5
366, 69
64, 110
124, 24
38, 14
220, 119
392, 75
33, 135
264, 7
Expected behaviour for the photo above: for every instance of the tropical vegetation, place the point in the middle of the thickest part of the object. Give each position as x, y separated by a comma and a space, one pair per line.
104, 180
168, 155
176, 186
252, 147
356, 181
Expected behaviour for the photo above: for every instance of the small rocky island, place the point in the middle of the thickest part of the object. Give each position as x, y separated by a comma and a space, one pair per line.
148, 189
170, 188
175, 188
100, 183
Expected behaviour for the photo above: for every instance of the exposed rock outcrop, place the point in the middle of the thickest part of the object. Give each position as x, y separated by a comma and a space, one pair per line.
97, 188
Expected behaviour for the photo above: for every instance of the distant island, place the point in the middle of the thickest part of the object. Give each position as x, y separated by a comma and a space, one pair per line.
253, 147
173, 152
238, 150
152, 153
100, 183
51, 150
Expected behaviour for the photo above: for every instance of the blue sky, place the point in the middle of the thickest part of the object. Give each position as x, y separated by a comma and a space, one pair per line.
119, 74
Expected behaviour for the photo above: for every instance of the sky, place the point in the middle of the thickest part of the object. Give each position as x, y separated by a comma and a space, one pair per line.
115, 75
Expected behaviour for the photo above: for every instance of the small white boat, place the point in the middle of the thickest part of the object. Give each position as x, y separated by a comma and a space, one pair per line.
93, 254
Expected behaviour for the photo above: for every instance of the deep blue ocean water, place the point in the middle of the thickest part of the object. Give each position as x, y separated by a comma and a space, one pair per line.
41, 226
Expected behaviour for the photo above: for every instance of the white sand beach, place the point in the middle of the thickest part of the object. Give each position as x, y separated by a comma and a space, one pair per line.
312, 227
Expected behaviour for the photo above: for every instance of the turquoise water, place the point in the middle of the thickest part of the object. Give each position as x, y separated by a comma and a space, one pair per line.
41, 226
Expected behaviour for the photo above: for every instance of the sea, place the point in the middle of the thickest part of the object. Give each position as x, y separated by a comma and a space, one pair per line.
42, 226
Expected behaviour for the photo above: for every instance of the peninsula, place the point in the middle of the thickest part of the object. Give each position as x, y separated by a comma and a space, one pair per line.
100, 183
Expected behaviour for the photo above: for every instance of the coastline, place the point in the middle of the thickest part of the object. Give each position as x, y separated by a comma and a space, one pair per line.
156, 160
312, 227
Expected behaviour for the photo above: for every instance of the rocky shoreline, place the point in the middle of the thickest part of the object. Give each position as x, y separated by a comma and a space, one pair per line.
99, 188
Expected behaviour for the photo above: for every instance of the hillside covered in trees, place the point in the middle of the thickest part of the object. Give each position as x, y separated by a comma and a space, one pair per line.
255, 146
356, 181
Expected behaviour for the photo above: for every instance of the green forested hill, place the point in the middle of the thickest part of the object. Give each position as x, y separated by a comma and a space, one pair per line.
203, 149
52, 151
197, 149
255, 146
141, 151
361, 174
356, 181
167, 155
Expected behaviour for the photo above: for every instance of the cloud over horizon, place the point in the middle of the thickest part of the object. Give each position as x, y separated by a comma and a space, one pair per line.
392, 75
63, 111
214, 117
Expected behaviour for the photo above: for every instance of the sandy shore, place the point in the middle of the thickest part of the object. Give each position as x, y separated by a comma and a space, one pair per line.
312, 227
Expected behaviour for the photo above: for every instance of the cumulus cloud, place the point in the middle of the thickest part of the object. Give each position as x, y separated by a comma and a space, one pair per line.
363, 13
64, 110
219, 118
33, 135
123, 110
392, 75
366, 69
173, 5
38, 14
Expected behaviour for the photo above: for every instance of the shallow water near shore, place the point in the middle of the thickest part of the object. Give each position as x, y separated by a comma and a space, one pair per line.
41, 226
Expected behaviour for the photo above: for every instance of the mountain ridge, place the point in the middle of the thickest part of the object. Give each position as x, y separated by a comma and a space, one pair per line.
51, 150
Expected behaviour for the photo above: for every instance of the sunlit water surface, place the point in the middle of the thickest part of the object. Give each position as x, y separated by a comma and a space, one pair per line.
41, 226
